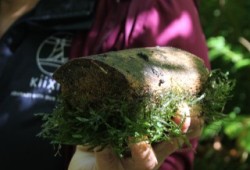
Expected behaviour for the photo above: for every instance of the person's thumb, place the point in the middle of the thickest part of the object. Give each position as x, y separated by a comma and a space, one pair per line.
183, 117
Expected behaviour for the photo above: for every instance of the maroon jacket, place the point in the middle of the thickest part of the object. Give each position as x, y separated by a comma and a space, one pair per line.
122, 24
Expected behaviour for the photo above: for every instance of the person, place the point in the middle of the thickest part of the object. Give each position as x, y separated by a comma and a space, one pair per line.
39, 36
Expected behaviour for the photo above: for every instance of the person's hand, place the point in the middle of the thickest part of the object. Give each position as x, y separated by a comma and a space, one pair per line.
143, 155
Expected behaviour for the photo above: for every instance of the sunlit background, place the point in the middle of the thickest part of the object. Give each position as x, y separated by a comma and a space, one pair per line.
226, 143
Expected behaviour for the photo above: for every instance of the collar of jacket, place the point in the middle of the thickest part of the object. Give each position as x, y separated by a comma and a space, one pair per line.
63, 15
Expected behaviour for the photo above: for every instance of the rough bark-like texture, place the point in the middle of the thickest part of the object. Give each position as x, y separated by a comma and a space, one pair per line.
131, 72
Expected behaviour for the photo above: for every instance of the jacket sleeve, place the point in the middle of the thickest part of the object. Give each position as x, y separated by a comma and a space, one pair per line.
142, 23
166, 23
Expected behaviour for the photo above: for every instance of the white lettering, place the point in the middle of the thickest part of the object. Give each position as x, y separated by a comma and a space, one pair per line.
33, 82
44, 82
33, 95
51, 85
37, 96
51, 98
40, 81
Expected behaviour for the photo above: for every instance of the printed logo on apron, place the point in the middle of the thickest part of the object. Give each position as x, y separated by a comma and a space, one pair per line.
51, 53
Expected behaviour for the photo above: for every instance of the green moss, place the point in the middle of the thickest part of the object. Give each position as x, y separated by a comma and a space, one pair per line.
217, 90
112, 122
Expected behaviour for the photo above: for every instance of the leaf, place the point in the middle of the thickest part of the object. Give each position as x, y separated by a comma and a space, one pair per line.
233, 129
244, 140
211, 130
77, 136
81, 119
242, 63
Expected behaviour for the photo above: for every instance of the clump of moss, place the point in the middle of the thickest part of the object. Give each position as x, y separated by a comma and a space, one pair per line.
217, 91
112, 121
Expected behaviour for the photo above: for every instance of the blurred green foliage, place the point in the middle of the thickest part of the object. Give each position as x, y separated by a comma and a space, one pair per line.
225, 144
